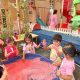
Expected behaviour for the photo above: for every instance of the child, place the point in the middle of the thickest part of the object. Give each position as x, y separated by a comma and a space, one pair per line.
53, 20
3, 73
30, 45
56, 49
1, 42
15, 36
67, 67
10, 50
1, 48
43, 42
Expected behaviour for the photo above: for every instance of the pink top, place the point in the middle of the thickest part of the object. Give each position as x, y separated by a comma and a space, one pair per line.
30, 48
53, 20
12, 49
67, 67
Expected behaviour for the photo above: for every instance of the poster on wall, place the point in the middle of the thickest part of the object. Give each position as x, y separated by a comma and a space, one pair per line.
4, 18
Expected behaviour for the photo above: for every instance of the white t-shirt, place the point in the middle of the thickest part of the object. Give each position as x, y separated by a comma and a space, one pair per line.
30, 48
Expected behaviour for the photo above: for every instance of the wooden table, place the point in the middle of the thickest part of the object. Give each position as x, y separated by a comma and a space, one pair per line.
34, 36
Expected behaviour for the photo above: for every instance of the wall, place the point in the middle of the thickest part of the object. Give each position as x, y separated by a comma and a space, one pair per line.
42, 9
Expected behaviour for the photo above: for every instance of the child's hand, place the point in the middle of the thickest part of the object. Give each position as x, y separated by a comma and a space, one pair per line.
14, 51
58, 73
38, 45
10, 53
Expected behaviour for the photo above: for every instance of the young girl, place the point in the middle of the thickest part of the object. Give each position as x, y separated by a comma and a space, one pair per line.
16, 36
30, 45
10, 49
3, 73
56, 49
67, 67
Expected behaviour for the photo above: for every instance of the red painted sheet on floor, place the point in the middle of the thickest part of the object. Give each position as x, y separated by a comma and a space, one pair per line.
31, 70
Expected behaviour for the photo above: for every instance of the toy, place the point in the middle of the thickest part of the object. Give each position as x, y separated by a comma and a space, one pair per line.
76, 15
